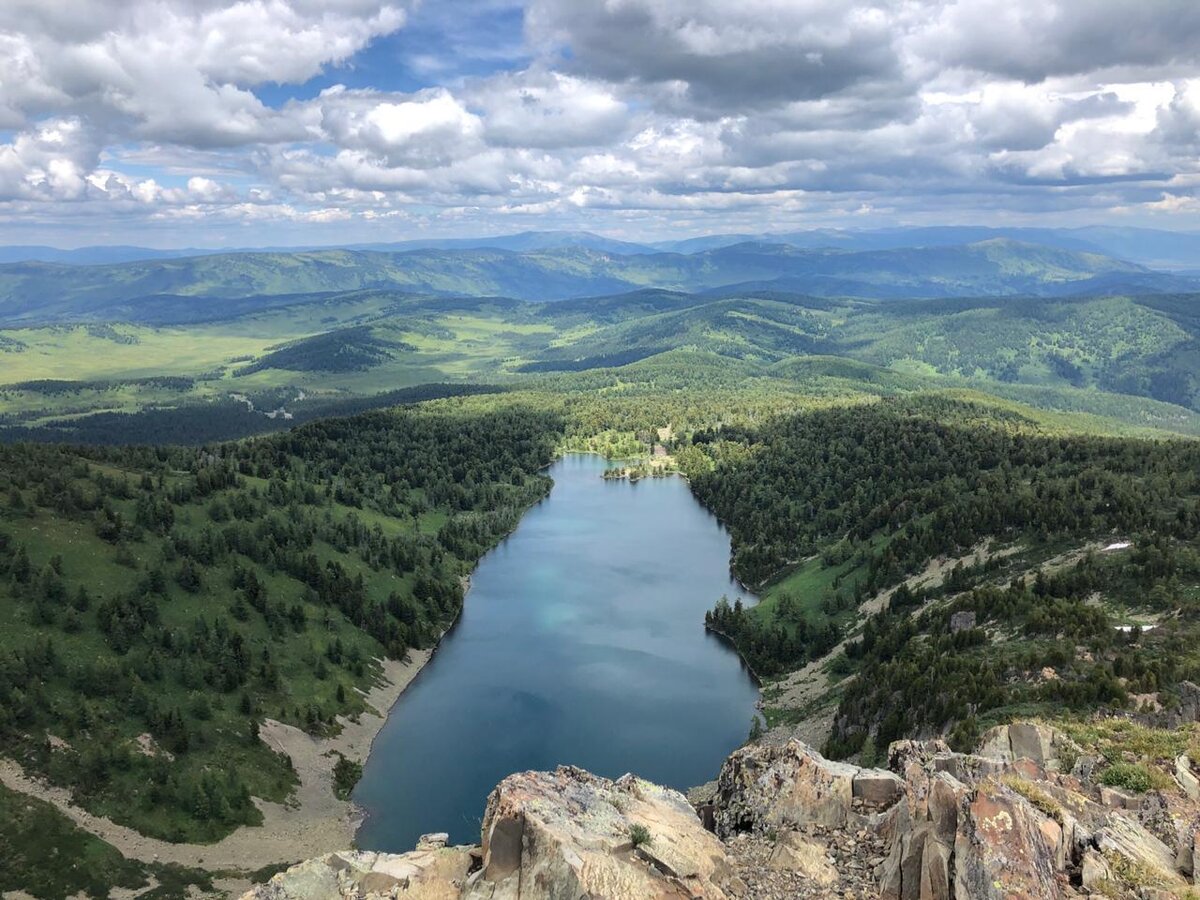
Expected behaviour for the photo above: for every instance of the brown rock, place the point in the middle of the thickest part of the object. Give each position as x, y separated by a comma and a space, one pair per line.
566, 833
877, 787
796, 853
935, 871
946, 796
1003, 850
1094, 870
788, 786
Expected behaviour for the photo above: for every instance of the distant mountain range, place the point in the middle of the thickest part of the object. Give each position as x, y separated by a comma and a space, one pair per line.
38, 292
1157, 249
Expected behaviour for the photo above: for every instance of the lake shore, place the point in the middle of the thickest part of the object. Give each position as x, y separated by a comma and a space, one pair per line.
312, 822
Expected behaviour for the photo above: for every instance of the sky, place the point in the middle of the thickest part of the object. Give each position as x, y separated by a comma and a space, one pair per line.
208, 123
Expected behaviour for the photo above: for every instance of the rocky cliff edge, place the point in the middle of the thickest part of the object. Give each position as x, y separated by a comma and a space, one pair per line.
1023, 817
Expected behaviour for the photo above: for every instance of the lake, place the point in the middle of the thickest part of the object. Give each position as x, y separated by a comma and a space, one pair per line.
581, 642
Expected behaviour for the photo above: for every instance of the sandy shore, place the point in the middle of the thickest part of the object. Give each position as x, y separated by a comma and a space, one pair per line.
311, 823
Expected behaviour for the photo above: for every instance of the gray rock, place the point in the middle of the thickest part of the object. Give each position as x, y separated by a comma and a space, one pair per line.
1005, 849
1186, 778
794, 852
1094, 870
961, 621
762, 787
877, 787
550, 835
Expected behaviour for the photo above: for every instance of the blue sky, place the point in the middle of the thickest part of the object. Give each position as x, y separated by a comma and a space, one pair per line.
275, 122
440, 43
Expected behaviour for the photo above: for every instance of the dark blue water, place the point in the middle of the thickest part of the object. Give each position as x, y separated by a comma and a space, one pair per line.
582, 641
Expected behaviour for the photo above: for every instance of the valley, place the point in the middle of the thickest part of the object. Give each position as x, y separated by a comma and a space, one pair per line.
229, 536
626, 450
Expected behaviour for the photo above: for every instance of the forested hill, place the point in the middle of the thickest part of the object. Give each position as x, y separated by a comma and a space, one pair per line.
159, 603
841, 513
47, 292
924, 477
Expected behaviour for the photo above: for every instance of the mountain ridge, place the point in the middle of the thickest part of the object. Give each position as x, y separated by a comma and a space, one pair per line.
32, 292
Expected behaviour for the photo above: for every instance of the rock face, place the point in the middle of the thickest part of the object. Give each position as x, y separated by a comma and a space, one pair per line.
546, 835
1000, 825
1005, 848
784, 822
1038, 743
792, 786
569, 833
435, 874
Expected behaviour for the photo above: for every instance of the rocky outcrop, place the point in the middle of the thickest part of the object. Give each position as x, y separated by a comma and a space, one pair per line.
1045, 746
991, 828
546, 835
569, 833
1004, 848
784, 822
430, 874
764, 788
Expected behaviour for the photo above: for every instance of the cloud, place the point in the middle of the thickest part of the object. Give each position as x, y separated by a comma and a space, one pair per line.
614, 112
721, 57
548, 110
425, 130
48, 163
1033, 41
175, 70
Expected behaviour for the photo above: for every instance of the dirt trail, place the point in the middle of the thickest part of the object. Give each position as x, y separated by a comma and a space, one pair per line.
311, 823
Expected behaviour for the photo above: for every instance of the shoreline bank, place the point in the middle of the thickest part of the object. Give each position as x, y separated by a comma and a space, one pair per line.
311, 822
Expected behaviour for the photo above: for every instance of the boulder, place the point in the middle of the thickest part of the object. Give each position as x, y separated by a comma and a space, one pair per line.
1188, 851
436, 874
1042, 744
917, 868
1005, 849
1094, 871
946, 798
787, 787
1123, 836
935, 871
1116, 798
1033, 742
1186, 778
568, 833
794, 852
967, 767
1154, 814
903, 753
877, 788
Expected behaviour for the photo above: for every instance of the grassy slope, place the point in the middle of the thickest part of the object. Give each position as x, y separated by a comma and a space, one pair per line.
32, 292
1063, 354
44, 854
85, 699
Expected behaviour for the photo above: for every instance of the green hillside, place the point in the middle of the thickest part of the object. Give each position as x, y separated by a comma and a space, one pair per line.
160, 603
831, 510
208, 287
1131, 360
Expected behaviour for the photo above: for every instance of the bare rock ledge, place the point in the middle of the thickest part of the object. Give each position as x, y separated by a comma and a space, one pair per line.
784, 822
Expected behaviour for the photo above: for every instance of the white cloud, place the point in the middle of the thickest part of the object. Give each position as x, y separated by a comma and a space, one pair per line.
426, 130
550, 110
627, 110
